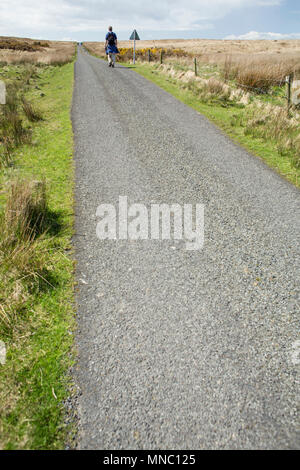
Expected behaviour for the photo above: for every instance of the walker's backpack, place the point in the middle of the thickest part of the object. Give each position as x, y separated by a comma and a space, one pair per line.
111, 39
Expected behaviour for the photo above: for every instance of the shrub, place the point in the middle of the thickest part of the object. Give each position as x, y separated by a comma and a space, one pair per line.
12, 131
25, 211
19, 51
215, 87
260, 77
30, 112
22, 255
19, 45
41, 43
229, 69
126, 53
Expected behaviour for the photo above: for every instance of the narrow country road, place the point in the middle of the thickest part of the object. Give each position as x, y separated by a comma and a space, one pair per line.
180, 349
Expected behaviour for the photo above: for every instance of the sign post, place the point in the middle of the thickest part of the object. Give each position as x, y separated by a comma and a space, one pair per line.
134, 37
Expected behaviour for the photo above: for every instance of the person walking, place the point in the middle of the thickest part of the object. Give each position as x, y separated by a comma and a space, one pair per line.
111, 46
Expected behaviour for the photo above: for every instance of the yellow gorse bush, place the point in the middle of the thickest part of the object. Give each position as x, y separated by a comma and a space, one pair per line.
127, 52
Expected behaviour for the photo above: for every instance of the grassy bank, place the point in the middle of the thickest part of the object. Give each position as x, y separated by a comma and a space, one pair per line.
36, 273
259, 125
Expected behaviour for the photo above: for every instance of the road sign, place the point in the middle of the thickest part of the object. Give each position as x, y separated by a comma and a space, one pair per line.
134, 37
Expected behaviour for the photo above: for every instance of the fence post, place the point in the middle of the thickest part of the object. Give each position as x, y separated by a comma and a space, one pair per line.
134, 50
161, 56
2, 92
149, 55
195, 64
289, 80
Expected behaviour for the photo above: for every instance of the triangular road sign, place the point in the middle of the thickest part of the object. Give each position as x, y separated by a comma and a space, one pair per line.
134, 35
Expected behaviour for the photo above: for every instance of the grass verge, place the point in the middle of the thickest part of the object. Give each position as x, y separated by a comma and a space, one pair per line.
263, 137
36, 273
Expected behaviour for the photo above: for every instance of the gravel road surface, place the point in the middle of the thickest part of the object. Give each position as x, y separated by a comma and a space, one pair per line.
181, 349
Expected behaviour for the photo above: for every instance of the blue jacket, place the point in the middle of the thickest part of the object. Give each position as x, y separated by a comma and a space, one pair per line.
111, 49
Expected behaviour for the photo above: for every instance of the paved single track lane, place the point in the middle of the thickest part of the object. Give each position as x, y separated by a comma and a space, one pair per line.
180, 349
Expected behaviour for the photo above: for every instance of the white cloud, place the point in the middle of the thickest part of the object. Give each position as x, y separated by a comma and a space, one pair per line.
257, 35
68, 39
66, 17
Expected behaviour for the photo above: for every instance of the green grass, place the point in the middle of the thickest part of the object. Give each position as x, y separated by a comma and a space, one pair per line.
35, 380
230, 118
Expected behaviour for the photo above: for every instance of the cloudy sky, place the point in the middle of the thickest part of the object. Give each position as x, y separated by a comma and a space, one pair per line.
83, 20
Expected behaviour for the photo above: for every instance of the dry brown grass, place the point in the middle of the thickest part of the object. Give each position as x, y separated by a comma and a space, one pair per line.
26, 208
21, 51
12, 130
30, 111
261, 76
17, 44
259, 64
272, 123
217, 51
22, 221
219, 46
